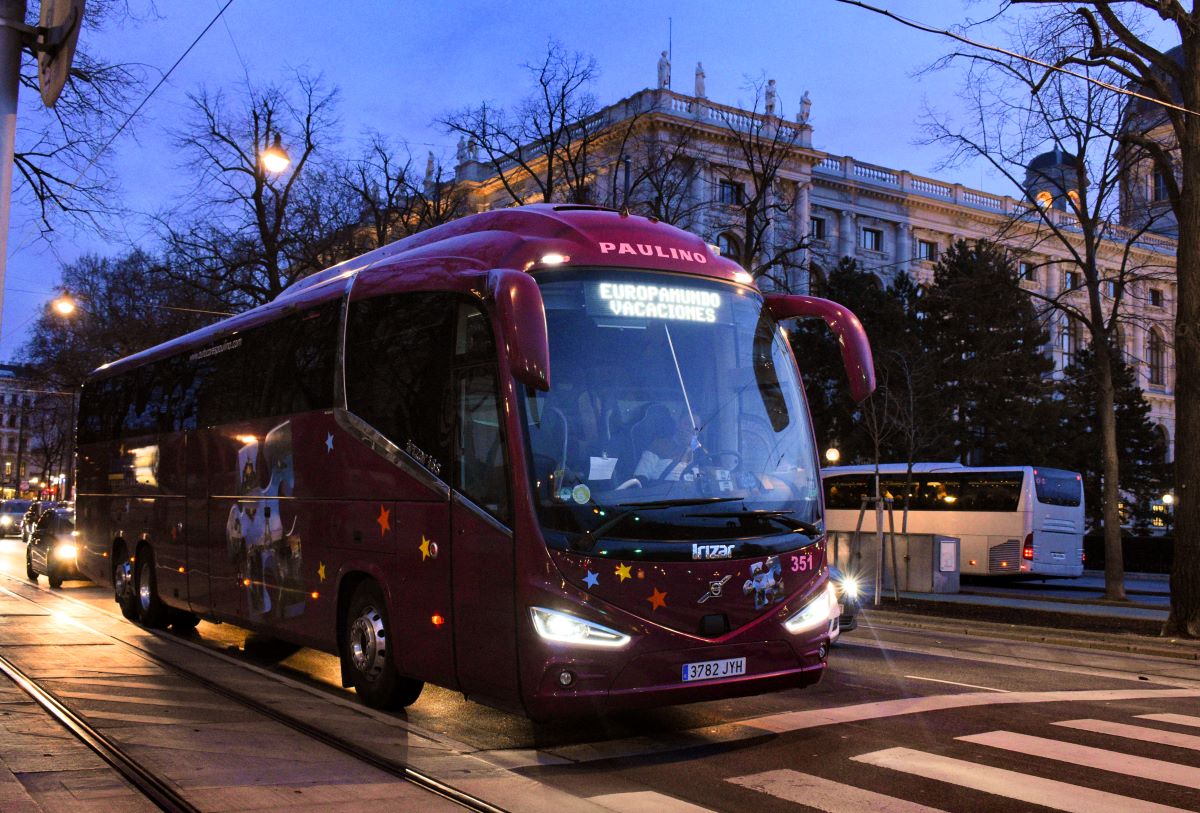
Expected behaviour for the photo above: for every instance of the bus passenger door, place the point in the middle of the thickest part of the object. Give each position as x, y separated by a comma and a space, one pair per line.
480, 516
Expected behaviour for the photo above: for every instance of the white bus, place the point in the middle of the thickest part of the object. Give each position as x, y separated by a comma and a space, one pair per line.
1018, 520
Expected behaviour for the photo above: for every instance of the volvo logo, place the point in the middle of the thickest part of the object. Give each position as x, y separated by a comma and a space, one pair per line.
714, 590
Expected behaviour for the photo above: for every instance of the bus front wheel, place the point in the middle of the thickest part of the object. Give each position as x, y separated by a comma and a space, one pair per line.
151, 612
366, 654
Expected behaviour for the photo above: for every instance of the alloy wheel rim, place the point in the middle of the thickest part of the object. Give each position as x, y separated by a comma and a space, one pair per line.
144, 591
124, 578
368, 642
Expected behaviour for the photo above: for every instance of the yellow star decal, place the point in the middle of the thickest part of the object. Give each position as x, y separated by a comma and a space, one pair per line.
622, 572
424, 546
321, 571
657, 599
384, 520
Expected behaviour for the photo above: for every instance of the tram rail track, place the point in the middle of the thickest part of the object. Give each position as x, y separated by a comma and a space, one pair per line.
162, 793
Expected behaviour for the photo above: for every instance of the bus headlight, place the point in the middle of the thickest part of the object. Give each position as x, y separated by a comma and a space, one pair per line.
64, 551
567, 629
815, 613
5, 521
850, 587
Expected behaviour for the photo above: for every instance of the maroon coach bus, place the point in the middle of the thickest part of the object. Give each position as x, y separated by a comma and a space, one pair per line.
557, 458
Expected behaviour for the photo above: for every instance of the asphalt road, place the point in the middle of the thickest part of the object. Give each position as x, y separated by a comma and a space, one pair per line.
905, 720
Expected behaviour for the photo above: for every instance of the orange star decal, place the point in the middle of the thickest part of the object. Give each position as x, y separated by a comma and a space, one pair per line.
424, 548
622, 572
384, 520
657, 599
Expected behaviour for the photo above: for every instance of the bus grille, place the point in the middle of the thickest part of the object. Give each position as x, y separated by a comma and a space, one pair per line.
1005, 557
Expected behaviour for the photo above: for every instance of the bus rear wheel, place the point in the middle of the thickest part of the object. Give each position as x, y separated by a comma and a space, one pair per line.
151, 612
123, 583
366, 654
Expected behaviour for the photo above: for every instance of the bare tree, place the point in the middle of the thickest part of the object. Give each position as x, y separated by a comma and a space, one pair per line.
664, 177
58, 162
239, 234
547, 147
1058, 141
754, 200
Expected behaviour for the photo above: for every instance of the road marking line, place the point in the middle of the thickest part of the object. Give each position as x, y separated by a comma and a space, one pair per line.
1126, 764
1009, 784
956, 683
646, 801
1177, 719
824, 794
1136, 732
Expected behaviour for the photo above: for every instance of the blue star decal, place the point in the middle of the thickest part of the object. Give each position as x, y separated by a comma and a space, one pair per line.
591, 579
329, 443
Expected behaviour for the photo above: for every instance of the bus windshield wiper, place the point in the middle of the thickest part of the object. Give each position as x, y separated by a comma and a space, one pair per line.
587, 540
796, 525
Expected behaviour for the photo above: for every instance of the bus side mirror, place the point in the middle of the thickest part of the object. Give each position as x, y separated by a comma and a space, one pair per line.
856, 349
522, 316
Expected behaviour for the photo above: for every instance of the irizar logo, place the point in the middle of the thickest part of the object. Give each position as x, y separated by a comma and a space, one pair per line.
712, 551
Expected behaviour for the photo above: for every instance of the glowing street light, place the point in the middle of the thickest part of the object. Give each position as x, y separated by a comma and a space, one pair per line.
832, 454
1168, 499
275, 158
64, 305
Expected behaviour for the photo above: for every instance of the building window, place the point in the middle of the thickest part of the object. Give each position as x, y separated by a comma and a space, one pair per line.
872, 239
927, 250
730, 192
729, 246
1110, 288
1070, 280
1156, 357
1044, 199
816, 228
1158, 186
1027, 271
1073, 196
1156, 297
1071, 341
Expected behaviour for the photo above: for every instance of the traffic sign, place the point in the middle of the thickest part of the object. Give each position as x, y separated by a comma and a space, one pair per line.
58, 30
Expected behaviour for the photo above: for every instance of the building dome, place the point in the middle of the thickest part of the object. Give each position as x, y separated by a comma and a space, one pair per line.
1050, 179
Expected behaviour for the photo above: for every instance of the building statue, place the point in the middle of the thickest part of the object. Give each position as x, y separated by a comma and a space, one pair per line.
429, 168
461, 152
664, 71
805, 109
699, 80
772, 97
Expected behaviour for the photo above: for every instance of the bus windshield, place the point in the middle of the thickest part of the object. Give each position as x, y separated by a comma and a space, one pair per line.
675, 413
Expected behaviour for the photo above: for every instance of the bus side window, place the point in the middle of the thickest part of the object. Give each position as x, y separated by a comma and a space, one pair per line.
399, 352
479, 469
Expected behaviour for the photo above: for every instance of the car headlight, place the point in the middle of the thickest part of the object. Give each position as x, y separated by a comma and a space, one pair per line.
567, 629
65, 551
815, 613
5, 521
850, 587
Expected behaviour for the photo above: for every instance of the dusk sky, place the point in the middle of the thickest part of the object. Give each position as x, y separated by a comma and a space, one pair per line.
401, 65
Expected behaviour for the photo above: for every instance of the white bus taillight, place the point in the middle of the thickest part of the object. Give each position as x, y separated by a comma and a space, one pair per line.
1027, 549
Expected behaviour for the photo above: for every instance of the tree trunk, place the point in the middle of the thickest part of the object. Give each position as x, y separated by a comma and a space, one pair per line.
1185, 569
1114, 563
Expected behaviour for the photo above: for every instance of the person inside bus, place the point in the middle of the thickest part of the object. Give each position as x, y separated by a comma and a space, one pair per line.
668, 446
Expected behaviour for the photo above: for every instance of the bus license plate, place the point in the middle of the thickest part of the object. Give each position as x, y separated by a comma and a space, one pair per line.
711, 670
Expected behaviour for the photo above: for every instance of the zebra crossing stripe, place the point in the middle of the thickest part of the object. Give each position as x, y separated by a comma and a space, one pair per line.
646, 801
1176, 719
824, 794
1009, 784
1136, 732
1127, 764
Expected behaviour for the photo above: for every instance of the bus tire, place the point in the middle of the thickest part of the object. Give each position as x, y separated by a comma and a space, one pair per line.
151, 612
367, 655
123, 582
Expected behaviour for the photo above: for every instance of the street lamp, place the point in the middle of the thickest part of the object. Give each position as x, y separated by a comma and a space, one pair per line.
275, 158
1168, 499
64, 305
832, 454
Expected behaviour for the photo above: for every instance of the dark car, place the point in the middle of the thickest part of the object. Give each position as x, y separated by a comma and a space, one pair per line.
51, 551
32, 514
11, 514
849, 599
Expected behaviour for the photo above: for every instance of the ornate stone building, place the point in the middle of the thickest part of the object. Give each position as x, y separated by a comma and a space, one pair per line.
829, 206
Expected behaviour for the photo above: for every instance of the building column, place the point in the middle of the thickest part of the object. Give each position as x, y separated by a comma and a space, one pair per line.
904, 250
801, 218
847, 235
